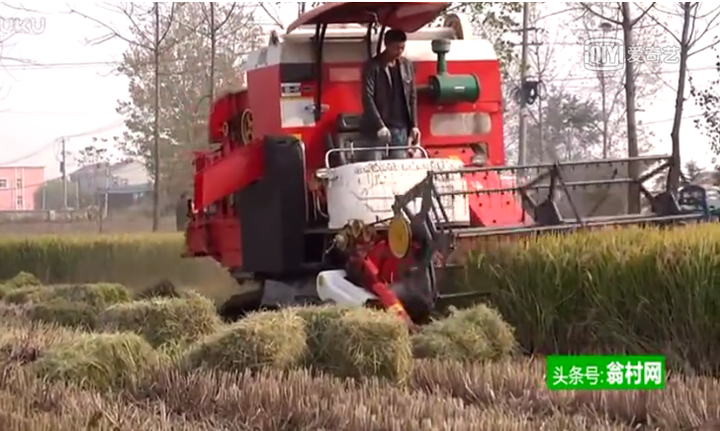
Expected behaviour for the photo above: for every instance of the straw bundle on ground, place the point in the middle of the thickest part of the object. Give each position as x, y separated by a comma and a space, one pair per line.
367, 343
21, 295
275, 340
317, 321
98, 295
4, 290
474, 334
164, 320
163, 289
62, 312
23, 279
98, 361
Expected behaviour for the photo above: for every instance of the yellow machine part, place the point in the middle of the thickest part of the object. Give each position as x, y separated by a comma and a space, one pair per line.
399, 237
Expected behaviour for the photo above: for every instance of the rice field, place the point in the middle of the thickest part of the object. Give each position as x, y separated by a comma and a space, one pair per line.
110, 356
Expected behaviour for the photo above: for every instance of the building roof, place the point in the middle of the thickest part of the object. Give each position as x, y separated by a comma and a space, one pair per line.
16, 166
88, 169
121, 190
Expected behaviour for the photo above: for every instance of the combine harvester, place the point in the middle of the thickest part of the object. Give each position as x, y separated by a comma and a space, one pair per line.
281, 201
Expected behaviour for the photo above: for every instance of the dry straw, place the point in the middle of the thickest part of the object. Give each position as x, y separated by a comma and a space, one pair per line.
274, 340
475, 334
23, 279
98, 361
161, 321
62, 312
369, 343
317, 321
98, 295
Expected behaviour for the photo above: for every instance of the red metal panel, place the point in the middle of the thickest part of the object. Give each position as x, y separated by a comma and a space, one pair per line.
223, 110
488, 72
236, 170
264, 100
497, 209
408, 16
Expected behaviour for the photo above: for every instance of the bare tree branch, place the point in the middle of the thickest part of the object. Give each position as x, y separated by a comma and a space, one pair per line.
113, 33
642, 15
160, 40
588, 8
222, 23
664, 27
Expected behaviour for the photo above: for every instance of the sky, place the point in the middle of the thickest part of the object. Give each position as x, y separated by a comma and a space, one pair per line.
55, 84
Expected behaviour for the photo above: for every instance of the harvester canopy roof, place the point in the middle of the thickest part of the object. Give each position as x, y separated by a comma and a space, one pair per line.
408, 17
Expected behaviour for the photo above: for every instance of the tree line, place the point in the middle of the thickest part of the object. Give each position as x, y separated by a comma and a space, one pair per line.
179, 56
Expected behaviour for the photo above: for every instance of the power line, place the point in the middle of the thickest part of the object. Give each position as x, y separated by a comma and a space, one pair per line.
54, 142
669, 120
659, 72
90, 64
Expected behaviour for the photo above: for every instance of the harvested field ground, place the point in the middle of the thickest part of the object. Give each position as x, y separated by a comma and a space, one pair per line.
440, 395
50, 380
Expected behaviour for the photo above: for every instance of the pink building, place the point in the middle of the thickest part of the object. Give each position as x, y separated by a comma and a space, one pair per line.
18, 185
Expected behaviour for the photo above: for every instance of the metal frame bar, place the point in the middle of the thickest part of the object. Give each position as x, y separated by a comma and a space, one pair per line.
666, 209
353, 149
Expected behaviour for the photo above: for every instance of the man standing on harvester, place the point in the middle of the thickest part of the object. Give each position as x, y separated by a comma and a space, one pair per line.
389, 99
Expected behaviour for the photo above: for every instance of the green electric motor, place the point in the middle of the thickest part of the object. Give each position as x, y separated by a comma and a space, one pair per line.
445, 88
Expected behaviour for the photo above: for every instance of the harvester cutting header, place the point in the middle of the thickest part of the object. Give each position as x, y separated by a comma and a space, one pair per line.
340, 177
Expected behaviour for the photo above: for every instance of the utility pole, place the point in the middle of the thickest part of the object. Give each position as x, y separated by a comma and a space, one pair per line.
63, 172
522, 132
156, 123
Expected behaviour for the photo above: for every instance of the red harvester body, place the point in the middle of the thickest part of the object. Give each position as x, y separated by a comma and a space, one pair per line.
280, 199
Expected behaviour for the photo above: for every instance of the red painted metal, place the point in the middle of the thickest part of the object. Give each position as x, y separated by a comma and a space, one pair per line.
378, 286
227, 174
224, 171
225, 108
407, 16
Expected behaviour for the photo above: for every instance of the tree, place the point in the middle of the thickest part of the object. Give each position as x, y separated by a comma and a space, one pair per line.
213, 26
692, 172
92, 155
708, 100
541, 71
494, 21
695, 28
183, 78
627, 22
569, 126
149, 32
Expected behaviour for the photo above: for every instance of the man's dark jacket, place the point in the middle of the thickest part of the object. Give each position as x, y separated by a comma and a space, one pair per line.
377, 86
